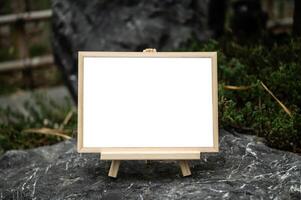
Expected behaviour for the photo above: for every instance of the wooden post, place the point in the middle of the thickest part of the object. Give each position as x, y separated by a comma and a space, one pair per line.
270, 9
114, 168
297, 18
185, 168
19, 6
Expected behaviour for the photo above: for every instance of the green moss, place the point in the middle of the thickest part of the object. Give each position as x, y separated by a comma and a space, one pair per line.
41, 112
254, 110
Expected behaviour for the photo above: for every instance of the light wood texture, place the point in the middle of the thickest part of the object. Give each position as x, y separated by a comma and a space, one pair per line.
114, 168
143, 153
80, 100
153, 54
150, 155
146, 149
185, 169
215, 101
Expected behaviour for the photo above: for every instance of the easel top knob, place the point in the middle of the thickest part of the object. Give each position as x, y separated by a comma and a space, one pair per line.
150, 50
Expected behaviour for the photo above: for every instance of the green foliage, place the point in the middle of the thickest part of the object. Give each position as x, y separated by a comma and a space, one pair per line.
41, 112
254, 110
38, 49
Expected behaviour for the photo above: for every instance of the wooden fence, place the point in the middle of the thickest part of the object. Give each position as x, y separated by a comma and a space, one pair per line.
24, 61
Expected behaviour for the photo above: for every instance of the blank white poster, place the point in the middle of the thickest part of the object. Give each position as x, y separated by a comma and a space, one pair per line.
147, 102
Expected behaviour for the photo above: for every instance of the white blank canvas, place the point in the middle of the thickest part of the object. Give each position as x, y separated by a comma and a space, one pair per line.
147, 102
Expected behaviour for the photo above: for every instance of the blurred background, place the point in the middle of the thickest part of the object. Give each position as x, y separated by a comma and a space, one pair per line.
258, 44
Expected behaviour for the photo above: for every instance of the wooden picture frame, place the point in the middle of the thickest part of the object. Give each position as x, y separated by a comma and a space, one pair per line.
147, 153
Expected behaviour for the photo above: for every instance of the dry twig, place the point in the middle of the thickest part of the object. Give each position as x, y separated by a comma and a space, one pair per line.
47, 131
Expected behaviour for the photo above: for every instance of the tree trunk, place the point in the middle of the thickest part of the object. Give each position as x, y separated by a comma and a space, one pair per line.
297, 19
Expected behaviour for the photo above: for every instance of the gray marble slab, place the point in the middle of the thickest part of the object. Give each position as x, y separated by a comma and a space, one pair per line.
245, 168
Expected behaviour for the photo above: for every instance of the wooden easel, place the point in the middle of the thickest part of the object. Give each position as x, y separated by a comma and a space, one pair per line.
116, 157
185, 169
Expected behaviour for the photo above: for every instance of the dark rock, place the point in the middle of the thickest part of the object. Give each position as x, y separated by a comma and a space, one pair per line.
249, 19
243, 169
123, 25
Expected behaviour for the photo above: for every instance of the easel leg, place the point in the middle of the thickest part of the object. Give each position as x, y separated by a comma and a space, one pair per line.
114, 168
185, 168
